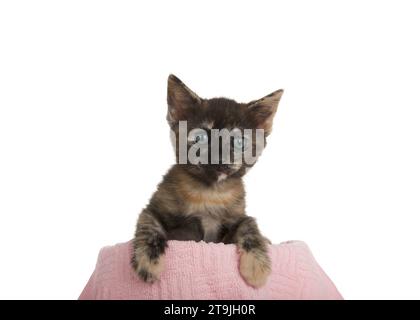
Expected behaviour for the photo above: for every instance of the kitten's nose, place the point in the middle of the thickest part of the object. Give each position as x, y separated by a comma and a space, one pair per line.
222, 168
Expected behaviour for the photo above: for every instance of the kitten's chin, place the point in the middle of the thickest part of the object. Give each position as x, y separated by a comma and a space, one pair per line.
221, 177
213, 175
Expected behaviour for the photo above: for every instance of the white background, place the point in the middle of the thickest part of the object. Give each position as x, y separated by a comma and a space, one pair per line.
83, 106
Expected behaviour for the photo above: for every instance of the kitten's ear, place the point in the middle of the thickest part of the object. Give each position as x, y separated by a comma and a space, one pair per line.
180, 100
262, 111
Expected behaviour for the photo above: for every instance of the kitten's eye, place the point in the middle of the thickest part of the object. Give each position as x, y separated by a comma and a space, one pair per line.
201, 138
240, 143
198, 136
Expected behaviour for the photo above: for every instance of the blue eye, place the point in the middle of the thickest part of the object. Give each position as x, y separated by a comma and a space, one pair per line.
240, 143
199, 137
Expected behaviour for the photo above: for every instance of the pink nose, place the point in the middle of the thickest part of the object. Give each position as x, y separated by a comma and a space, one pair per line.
223, 168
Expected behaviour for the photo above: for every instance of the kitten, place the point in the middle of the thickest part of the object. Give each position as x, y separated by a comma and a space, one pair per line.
206, 200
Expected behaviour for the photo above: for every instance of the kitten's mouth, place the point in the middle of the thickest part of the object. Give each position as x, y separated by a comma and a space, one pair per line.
218, 172
223, 169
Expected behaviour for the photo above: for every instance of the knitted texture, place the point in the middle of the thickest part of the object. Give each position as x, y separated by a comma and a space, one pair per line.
198, 270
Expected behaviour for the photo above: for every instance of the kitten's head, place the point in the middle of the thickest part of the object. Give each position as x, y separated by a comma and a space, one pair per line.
217, 139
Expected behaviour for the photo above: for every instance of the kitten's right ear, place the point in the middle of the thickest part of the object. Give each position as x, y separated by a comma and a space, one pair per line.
180, 100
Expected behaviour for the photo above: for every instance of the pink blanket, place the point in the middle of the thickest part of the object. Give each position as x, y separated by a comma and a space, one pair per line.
209, 271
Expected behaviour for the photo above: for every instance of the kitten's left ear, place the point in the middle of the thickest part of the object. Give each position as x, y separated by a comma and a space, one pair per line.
262, 111
181, 100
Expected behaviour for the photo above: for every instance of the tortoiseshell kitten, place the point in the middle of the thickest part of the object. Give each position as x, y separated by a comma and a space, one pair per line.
205, 201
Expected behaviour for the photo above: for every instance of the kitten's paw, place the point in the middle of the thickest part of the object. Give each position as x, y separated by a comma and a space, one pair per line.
147, 269
255, 267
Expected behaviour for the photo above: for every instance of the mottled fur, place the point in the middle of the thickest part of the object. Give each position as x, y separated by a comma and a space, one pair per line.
205, 202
